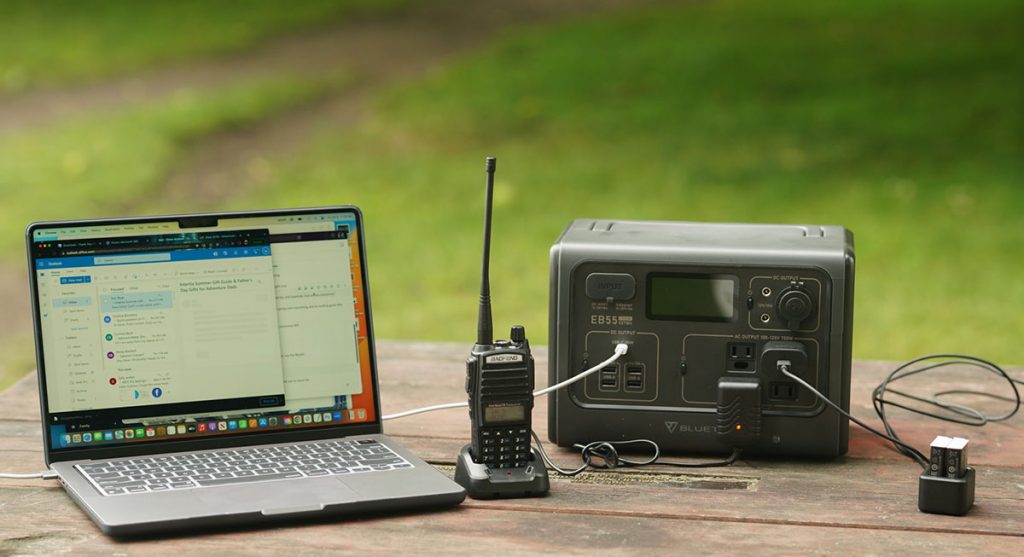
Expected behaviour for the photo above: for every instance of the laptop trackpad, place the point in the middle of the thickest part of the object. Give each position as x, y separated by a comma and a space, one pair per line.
279, 497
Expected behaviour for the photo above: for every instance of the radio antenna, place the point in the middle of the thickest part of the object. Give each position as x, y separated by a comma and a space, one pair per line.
484, 328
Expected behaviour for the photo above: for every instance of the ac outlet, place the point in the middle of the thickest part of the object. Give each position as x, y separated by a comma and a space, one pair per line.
740, 356
783, 390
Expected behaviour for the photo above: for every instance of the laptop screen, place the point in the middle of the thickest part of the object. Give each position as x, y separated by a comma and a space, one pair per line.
153, 332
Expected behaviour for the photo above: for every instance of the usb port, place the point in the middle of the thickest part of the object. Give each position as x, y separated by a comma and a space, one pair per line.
634, 377
610, 378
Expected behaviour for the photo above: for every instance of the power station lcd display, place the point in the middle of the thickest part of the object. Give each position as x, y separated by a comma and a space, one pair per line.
691, 297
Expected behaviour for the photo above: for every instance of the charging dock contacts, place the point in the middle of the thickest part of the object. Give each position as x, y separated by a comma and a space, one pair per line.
483, 482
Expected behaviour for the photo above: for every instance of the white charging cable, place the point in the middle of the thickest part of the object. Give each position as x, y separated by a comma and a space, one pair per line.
48, 475
620, 350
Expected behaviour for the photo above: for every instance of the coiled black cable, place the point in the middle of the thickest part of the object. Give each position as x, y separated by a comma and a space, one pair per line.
955, 412
608, 453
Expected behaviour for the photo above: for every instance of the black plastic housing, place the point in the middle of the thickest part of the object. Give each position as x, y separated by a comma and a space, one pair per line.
942, 495
739, 411
497, 375
482, 482
696, 303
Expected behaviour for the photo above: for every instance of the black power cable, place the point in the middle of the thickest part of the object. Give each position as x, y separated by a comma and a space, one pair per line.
608, 452
902, 447
954, 412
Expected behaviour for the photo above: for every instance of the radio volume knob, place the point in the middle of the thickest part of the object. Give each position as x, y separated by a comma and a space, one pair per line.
794, 306
517, 334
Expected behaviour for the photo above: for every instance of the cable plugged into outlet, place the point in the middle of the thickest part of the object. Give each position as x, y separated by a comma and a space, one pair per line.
946, 485
778, 354
738, 417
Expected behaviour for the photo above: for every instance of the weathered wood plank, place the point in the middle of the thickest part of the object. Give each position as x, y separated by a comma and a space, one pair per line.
420, 374
772, 506
46, 522
414, 374
21, 400
847, 492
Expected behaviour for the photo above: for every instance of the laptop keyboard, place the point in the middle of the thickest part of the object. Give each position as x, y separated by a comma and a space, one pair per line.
232, 467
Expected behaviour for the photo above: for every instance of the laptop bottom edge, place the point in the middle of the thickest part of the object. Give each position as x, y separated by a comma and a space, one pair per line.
257, 519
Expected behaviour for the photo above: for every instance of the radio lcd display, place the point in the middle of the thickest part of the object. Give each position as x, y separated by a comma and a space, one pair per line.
691, 297
504, 413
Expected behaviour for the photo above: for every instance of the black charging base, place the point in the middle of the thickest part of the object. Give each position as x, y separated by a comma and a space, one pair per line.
482, 482
941, 495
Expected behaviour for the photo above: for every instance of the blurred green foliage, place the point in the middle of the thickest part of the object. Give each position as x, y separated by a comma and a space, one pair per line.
59, 41
109, 164
100, 164
903, 121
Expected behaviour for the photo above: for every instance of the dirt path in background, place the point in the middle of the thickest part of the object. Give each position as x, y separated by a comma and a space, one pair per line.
378, 50
14, 303
395, 43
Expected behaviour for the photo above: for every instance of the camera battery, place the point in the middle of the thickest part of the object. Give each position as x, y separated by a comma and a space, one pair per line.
956, 457
937, 461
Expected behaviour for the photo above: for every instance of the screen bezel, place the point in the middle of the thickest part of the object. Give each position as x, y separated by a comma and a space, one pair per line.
250, 438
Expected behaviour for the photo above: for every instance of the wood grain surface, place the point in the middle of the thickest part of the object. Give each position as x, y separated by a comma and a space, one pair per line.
863, 503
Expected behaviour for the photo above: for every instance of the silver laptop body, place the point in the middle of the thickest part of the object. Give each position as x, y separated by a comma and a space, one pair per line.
199, 371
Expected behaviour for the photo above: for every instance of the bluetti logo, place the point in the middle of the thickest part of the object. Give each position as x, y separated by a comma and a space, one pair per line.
676, 427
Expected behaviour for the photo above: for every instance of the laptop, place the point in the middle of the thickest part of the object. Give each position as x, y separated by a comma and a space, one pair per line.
215, 369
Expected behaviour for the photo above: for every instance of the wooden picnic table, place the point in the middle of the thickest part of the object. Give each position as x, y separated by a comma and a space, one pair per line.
863, 503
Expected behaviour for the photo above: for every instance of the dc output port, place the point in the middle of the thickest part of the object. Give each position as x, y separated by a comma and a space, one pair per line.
765, 318
766, 291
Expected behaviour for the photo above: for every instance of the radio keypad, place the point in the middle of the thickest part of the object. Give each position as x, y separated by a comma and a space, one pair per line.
505, 447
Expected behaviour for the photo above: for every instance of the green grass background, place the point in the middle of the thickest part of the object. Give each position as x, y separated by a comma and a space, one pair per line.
101, 162
62, 41
903, 121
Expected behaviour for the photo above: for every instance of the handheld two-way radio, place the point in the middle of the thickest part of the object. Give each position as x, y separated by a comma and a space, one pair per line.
499, 461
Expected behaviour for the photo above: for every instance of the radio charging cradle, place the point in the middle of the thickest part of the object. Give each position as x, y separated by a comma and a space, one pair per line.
482, 482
